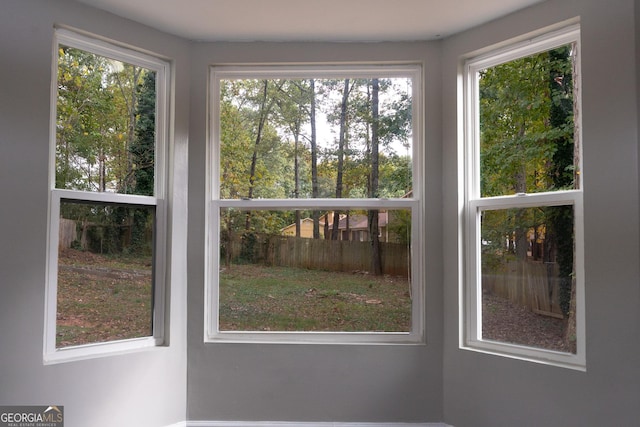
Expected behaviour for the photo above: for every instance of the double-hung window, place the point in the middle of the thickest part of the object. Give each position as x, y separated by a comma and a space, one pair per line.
107, 230
314, 218
524, 284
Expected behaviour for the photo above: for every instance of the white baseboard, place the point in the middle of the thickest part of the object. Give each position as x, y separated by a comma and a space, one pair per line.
302, 424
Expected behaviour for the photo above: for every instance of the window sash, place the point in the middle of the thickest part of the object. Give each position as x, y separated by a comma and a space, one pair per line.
472, 336
212, 306
218, 73
158, 65
474, 205
416, 205
162, 69
473, 66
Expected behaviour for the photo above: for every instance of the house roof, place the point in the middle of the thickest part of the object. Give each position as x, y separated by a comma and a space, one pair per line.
361, 221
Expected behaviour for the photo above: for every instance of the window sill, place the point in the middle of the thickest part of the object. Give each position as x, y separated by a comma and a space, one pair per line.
339, 338
97, 350
528, 354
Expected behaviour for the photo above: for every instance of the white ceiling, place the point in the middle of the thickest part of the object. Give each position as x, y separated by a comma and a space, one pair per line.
311, 20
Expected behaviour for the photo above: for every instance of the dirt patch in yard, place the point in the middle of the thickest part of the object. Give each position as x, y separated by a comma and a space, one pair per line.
506, 322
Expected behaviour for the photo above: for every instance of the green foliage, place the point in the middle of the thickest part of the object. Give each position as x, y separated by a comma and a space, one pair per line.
266, 142
142, 148
248, 253
395, 175
519, 138
561, 223
105, 141
400, 226
142, 154
83, 101
527, 146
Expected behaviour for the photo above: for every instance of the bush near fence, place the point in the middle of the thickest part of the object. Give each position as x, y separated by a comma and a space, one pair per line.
314, 254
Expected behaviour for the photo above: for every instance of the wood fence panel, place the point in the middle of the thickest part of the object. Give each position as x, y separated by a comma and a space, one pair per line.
320, 254
67, 233
530, 284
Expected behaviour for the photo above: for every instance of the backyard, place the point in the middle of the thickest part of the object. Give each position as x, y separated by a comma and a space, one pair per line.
504, 321
103, 298
259, 298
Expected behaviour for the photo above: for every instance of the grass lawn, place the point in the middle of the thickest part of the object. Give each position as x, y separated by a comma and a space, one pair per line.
260, 298
106, 298
102, 298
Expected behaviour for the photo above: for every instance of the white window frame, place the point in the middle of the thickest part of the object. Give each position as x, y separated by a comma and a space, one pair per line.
414, 204
162, 68
474, 205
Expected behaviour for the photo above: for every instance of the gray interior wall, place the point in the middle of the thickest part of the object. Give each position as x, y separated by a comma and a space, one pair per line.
145, 388
314, 382
637, 57
484, 390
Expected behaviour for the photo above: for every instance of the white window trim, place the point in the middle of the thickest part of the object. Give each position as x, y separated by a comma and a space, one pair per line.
474, 204
212, 265
51, 354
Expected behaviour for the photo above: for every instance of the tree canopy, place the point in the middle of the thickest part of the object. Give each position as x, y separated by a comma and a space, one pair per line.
310, 138
99, 142
105, 142
528, 144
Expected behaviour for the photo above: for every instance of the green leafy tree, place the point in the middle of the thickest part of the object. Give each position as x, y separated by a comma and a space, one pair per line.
142, 148
562, 171
142, 155
100, 146
527, 146
342, 141
82, 103
254, 155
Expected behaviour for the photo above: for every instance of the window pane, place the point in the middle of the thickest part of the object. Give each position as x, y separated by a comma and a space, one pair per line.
271, 280
528, 293
315, 138
105, 124
105, 273
527, 125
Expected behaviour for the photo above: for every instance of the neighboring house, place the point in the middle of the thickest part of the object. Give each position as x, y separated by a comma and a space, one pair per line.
355, 227
352, 227
306, 228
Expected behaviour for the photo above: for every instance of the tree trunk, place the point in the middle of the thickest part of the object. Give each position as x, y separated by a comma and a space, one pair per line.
376, 261
296, 172
130, 96
341, 143
102, 171
254, 157
315, 215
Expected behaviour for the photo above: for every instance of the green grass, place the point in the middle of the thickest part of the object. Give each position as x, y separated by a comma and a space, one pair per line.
106, 298
259, 298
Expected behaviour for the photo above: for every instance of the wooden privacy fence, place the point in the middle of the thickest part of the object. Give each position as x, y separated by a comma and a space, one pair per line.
317, 254
91, 236
67, 233
533, 285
